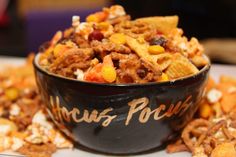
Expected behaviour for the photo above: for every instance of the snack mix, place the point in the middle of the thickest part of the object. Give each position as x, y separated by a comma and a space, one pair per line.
213, 133
24, 124
111, 48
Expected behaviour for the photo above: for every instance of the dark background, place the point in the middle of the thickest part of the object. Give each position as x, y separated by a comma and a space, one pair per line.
201, 18
21, 34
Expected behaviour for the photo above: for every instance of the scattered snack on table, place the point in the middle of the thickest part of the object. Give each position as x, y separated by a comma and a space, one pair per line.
24, 124
213, 133
139, 51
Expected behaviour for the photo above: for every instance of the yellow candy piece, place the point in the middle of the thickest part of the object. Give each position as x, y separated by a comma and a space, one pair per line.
156, 49
108, 73
164, 78
92, 18
118, 38
103, 25
12, 93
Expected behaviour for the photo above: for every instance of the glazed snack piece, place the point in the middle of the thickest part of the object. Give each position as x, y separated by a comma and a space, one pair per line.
25, 127
180, 67
213, 134
162, 24
142, 50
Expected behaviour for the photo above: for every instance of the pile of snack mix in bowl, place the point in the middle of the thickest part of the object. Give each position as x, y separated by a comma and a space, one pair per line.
111, 48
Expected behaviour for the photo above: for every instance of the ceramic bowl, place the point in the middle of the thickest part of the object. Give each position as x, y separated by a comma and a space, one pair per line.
120, 118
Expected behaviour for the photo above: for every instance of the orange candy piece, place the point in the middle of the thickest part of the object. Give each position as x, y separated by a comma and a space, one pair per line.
108, 69
102, 72
205, 110
228, 102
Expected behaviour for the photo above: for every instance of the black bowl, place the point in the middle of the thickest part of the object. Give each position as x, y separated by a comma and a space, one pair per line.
120, 118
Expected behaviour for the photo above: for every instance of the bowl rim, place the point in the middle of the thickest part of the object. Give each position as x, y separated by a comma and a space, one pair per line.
39, 68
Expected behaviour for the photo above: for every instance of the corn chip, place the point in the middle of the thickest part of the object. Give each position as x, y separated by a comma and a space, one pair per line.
180, 67
163, 24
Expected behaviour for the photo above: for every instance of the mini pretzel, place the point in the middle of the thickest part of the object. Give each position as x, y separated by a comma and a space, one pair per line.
216, 127
212, 130
227, 133
186, 134
136, 29
233, 124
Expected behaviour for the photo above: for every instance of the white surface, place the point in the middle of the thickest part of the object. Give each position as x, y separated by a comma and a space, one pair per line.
216, 71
